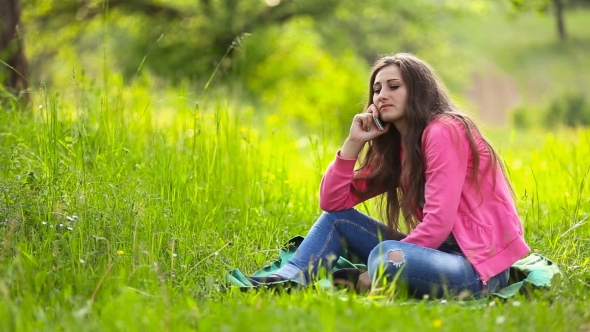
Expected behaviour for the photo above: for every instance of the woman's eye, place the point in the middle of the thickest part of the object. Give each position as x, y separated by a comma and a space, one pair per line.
393, 87
377, 91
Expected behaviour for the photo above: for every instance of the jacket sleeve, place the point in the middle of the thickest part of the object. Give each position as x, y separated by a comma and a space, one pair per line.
338, 184
446, 154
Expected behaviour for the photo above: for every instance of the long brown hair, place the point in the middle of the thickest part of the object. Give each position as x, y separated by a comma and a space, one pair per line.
427, 98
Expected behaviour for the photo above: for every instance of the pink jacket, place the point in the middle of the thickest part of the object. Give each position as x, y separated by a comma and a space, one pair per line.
484, 222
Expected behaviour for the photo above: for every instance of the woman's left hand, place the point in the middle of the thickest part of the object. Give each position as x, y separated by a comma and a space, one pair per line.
364, 283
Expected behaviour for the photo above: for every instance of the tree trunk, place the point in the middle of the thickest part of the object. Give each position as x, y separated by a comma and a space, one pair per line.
13, 71
558, 7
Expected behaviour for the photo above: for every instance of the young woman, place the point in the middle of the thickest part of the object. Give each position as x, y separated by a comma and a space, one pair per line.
437, 173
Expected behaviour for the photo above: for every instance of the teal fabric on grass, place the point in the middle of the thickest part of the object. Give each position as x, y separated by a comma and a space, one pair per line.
533, 271
237, 278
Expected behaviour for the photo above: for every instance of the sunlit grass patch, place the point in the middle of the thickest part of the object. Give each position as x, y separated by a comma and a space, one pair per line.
124, 211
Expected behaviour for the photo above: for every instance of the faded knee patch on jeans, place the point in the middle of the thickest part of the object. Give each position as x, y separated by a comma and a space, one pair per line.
395, 257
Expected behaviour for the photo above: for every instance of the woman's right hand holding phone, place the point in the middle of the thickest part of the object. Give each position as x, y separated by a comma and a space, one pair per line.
362, 130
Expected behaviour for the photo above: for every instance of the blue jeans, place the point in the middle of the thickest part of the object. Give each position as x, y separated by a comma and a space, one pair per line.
423, 271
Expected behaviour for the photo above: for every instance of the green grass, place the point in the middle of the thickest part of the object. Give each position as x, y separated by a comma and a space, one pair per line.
168, 197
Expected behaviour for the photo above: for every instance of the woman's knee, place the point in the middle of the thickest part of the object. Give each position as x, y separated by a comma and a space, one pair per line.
387, 254
389, 250
332, 216
327, 220
338, 214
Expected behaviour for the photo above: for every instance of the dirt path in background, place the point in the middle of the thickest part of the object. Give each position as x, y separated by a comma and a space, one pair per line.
494, 94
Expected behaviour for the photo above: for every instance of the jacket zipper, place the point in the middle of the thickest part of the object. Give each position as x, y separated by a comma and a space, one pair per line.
484, 283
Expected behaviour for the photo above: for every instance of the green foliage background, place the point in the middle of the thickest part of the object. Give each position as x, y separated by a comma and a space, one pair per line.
128, 190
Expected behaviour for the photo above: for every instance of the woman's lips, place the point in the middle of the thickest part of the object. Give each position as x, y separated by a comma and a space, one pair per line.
385, 106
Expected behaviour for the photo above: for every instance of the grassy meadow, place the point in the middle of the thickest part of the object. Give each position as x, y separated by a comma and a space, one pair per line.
115, 219
123, 207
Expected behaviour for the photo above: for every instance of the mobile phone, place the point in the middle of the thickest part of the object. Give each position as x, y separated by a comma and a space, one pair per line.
378, 123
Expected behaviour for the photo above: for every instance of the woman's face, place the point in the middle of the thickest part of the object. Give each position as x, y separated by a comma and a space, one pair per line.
390, 95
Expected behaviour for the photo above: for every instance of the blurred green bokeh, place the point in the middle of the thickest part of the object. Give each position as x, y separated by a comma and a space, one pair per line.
304, 63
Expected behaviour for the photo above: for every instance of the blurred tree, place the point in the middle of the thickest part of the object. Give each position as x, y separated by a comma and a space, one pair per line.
196, 35
544, 6
13, 65
558, 9
193, 36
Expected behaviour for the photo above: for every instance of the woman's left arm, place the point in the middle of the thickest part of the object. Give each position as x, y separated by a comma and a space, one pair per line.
446, 155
